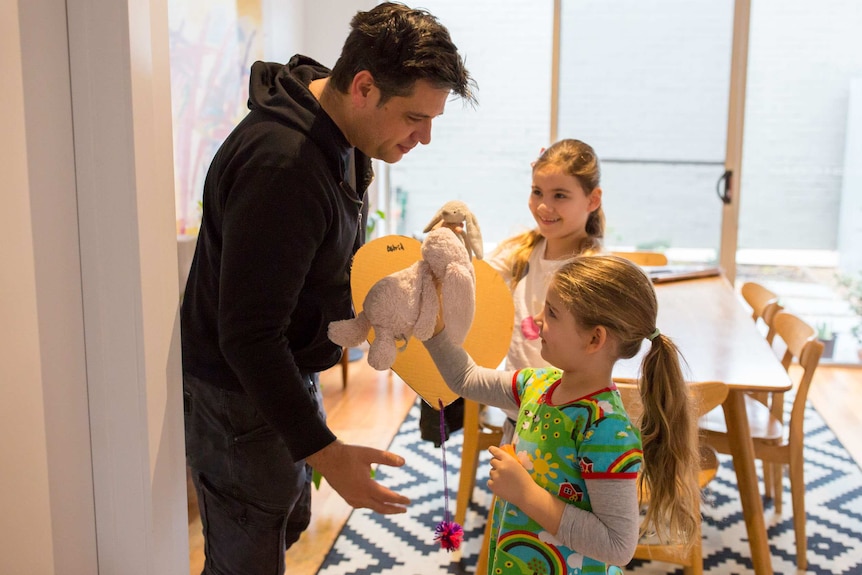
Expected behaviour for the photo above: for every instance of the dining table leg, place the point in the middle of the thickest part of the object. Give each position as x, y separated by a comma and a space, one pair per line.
742, 451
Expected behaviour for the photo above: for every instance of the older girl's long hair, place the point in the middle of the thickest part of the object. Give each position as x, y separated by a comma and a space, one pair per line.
576, 159
613, 292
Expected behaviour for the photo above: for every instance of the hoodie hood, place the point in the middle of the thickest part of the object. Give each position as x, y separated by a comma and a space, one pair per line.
281, 91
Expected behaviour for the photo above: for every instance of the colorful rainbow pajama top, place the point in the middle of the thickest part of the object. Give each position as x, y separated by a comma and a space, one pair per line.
561, 446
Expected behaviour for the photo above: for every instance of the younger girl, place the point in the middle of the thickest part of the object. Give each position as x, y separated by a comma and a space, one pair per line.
567, 503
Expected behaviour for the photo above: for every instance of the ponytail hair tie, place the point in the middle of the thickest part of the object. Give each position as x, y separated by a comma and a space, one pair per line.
654, 334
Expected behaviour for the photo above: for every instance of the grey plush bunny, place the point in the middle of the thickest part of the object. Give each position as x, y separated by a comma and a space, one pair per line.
457, 212
404, 304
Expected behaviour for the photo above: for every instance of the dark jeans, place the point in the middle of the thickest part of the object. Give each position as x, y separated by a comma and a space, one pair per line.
254, 499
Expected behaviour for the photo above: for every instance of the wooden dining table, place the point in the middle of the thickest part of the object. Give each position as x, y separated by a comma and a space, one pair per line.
720, 342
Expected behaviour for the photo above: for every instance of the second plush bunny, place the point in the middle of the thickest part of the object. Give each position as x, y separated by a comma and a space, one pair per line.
457, 213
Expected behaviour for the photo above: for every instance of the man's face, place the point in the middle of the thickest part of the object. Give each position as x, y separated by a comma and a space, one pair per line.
389, 131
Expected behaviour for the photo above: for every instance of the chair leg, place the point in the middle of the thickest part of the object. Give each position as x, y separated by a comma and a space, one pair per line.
696, 557
345, 364
484, 560
777, 473
768, 482
797, 494
469, 460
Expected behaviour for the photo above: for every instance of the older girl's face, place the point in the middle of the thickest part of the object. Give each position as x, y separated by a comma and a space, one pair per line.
560, 205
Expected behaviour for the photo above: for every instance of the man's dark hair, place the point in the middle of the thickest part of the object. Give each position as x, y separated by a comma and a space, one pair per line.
399, 45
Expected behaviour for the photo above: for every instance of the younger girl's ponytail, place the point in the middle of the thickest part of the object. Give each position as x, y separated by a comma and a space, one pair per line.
669, 434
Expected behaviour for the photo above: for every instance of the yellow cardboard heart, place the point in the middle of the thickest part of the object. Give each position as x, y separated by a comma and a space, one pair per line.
488, 339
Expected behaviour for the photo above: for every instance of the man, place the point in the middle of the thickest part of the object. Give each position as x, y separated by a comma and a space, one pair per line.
283, 213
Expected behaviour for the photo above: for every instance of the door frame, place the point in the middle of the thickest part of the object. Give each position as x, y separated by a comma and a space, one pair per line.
735, 131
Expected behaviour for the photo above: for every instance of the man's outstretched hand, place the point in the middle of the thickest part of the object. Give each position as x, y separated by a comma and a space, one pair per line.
347, 468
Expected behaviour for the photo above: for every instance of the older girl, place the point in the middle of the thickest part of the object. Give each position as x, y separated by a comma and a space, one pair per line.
566, 203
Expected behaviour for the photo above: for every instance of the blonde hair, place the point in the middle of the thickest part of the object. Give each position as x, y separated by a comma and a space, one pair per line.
577, 159
612, 292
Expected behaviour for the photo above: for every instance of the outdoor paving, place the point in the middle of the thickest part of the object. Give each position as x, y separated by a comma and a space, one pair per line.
810, 293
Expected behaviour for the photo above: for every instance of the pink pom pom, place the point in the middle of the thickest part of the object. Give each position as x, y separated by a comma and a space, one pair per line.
449, 534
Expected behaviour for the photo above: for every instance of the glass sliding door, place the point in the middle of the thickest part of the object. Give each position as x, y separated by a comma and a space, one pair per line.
646, 84
801, 204
803, 59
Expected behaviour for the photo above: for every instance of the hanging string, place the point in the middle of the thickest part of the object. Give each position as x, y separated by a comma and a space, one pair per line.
447, 532
445, 469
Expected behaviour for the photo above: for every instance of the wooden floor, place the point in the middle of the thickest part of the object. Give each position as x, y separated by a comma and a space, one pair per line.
371, 408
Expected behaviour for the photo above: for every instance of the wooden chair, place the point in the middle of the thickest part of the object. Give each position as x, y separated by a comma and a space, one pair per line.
705, 396
480, 433
482, 560
775, 442
764, 305
644, 258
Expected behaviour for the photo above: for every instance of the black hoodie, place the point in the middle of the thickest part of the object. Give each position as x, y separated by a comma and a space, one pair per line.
272, 265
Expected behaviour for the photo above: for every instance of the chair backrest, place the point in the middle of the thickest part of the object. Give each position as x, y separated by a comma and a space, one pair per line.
644, 258
705, 395
802, 344
764, 305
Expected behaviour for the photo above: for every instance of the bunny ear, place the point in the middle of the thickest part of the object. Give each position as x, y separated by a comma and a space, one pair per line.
437, 217
473, 223
474, 235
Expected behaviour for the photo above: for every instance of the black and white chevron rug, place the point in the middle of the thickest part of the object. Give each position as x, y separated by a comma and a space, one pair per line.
404, 544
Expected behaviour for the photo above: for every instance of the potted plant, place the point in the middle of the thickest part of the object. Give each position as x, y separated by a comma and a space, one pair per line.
851, 287
827, 337
374, 217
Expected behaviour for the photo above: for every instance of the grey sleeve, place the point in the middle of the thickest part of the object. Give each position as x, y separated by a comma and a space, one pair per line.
467, 379
609, 532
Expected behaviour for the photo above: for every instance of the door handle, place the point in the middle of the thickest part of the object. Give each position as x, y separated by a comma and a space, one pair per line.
724, 194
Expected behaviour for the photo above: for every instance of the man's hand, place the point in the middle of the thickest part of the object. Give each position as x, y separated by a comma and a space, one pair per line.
347, 468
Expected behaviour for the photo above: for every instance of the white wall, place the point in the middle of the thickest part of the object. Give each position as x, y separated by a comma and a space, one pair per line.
283, 30
25, 494
121, 106
93, 466
326, 25
58, 278
315, 28
850, 219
